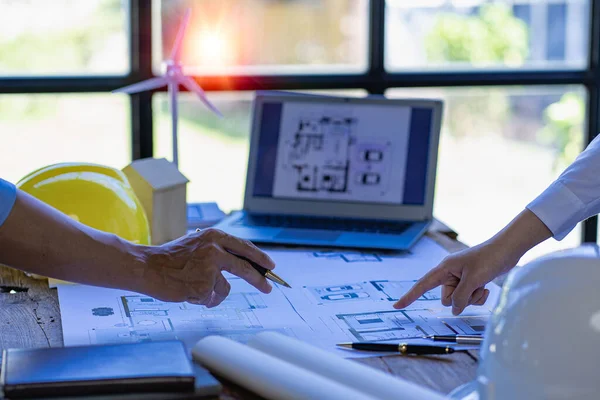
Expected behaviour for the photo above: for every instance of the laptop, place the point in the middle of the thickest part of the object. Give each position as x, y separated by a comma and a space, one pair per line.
339, 171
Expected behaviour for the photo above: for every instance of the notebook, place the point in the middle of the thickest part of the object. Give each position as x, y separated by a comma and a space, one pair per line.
157, 369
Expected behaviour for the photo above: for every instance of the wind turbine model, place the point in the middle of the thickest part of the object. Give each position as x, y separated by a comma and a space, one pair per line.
173, 77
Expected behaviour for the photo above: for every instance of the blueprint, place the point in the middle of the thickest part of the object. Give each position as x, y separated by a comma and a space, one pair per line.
332, 300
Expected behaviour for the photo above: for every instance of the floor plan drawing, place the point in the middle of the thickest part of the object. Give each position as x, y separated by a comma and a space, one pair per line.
341, 152
379, 290
146, 318
341, 293
405, 324
320, 153
326, 155
392, 290
349, 257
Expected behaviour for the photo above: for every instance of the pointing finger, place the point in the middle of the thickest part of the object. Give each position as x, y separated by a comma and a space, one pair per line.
432, 279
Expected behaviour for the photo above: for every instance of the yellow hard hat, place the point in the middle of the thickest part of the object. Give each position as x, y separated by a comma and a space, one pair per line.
95, 195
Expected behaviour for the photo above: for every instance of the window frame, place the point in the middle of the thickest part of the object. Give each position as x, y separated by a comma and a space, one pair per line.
376, 80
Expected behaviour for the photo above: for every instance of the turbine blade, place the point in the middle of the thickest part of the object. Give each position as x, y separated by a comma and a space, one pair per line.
149, 84
176, 52
192, 86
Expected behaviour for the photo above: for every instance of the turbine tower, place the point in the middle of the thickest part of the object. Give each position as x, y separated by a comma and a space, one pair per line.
172, 78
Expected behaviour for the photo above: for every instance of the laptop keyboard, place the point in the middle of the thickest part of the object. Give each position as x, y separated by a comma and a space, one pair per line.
330, 224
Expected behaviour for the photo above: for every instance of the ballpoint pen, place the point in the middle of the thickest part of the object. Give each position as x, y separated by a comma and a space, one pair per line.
267, 273
401, 348
458, 339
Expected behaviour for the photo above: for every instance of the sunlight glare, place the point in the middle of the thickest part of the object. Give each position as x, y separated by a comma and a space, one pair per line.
214, 48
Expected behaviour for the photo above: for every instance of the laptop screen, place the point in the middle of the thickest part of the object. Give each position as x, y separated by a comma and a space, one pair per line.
343, 152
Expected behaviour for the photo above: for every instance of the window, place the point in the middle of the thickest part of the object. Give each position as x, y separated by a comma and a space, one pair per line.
266, 37
63, 37
534, 34
42, 129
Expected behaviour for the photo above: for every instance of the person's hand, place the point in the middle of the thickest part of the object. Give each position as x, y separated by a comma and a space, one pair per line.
190, 268
463, 277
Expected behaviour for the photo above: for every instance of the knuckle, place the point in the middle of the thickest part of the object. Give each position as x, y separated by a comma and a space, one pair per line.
246, 270
448, 261
248, 243
213, 234
212, 251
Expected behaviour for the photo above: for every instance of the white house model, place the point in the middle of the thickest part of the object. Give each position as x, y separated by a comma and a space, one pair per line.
161, 189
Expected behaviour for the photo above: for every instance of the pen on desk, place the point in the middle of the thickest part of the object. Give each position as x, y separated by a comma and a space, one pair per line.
458, 339
267, 273
402, 348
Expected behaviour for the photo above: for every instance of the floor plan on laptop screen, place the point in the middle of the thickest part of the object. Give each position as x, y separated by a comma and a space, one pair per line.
347, 297
327, 152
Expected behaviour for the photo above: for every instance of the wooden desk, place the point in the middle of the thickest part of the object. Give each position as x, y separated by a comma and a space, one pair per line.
31, 318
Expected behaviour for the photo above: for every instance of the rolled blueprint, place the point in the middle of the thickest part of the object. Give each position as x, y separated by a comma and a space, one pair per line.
266, 375
352, 374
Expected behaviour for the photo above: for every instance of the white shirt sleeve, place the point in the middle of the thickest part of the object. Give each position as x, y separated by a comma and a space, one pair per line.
574, 196
8, 195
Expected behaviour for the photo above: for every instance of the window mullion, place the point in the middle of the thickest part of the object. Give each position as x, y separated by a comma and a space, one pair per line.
141, 69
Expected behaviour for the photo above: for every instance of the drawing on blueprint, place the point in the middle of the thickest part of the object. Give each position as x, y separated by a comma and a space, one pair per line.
380, 290
393, 290
327, 156
147, 319
102, 311
348, 257
404, 324
339, 293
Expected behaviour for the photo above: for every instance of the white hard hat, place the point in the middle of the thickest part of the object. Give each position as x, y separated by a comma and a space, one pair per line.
543, 339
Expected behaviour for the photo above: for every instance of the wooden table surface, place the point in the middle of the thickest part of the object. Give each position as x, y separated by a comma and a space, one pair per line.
30, 317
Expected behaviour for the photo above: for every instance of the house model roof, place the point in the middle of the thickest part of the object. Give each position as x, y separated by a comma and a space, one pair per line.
159, 173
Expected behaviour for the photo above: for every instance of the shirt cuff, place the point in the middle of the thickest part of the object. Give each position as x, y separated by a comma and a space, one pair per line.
8, 195
558, 208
